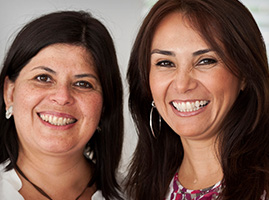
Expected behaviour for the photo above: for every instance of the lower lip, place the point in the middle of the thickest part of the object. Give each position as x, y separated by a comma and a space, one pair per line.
188, 114
65, 127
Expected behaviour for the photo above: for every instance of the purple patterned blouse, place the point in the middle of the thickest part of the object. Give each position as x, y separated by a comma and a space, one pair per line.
177, 192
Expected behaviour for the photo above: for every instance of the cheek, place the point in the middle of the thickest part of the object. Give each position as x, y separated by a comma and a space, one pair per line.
152, 84
160, 86
93, 107
25, 99
156, 85
24, 102
225, 87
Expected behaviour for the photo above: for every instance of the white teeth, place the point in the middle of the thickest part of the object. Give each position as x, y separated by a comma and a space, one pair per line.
57, 121
189, 106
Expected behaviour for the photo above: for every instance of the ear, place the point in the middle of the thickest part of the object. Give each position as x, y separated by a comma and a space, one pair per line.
9, 87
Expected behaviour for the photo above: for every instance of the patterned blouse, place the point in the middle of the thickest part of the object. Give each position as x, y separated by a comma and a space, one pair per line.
177, 192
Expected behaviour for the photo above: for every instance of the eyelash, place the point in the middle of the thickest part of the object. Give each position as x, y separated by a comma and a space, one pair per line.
165, 63
83, 84
41, 78
207, 61
202, 62
44, 78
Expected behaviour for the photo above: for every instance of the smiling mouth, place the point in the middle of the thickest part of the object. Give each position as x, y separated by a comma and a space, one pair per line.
57, 121
190, 106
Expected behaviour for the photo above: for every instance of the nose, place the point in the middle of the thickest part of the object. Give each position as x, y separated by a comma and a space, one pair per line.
184, 81
62, 95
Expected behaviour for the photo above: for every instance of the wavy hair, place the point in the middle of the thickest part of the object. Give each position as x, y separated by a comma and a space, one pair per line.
75, 28
229, 28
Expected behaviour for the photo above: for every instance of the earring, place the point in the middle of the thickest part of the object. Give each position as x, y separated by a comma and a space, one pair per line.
150, 120
89, 154
9, 112
98, 129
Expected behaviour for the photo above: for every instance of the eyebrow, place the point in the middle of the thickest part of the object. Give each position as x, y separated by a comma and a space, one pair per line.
86, 76
163, 52
44, 68
171, 53
200, 52
47, 69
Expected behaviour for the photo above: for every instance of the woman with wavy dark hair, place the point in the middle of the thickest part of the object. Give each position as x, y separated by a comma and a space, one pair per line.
199, 96
61, 111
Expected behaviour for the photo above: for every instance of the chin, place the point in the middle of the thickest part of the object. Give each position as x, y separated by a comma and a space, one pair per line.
56, 148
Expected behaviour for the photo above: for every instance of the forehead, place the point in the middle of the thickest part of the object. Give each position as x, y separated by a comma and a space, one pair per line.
62, 50
63, 55
175, 29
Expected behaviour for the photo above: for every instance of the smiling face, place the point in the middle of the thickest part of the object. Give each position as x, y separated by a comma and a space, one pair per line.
57, 100
192, 88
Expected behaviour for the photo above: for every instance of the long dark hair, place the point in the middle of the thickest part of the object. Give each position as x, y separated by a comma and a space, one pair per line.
229, 28
76, 28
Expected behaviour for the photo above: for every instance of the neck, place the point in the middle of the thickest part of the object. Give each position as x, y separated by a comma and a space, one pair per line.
61, 177
200, 166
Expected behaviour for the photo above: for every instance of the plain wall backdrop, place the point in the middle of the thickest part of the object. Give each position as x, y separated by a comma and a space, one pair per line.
121, 17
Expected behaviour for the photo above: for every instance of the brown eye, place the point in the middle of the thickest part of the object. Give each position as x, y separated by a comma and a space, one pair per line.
44, 78
84, 84
165, 63
207, 62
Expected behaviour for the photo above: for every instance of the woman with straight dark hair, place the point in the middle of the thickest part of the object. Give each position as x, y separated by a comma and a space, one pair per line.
61, 111
199, 96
